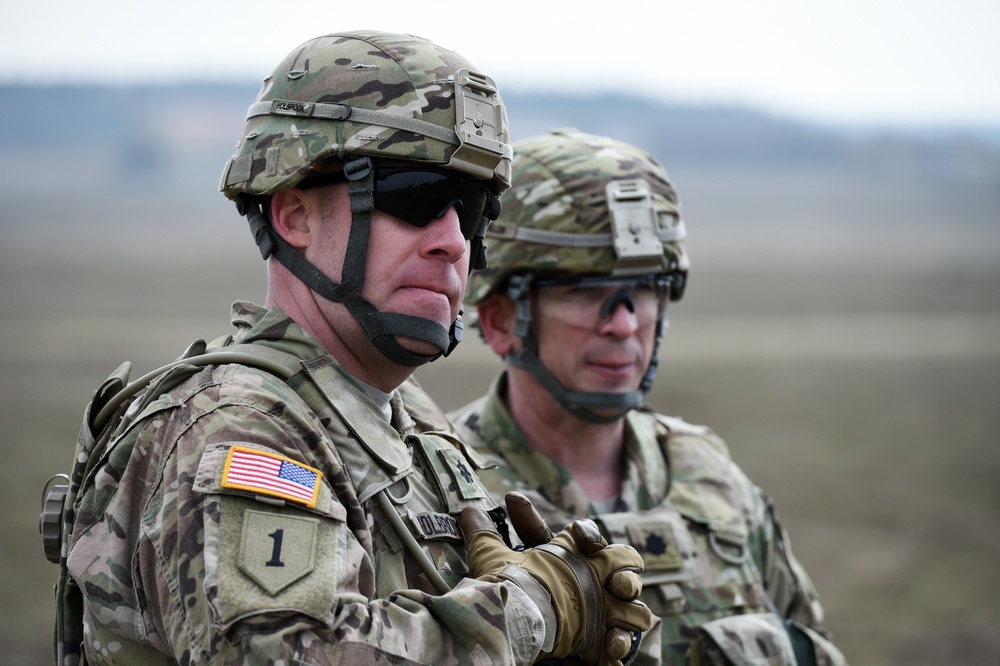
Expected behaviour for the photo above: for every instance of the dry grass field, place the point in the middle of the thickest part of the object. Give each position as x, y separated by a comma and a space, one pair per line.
855, 374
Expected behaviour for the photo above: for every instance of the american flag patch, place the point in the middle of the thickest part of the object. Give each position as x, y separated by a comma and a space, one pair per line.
272, 475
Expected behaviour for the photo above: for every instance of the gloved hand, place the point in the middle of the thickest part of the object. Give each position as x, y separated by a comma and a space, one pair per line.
591, 587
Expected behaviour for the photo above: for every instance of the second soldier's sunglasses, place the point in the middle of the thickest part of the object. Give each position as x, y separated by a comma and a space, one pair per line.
418, 196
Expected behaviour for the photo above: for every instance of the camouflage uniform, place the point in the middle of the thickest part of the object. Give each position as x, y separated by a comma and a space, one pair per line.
717, 558
162, 542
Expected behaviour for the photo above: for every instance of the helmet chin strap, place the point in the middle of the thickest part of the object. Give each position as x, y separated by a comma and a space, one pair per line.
582, 404
380, 327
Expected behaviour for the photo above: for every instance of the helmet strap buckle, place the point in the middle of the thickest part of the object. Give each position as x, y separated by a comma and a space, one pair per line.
519, 291
359, 168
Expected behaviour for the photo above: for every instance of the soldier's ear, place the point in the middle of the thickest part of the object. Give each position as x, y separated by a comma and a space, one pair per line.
496, 320
291, 211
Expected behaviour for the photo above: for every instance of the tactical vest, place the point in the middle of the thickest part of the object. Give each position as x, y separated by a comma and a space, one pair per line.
413, 489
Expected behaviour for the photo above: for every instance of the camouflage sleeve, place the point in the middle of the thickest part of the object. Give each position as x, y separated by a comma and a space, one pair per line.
226, 578
786, 581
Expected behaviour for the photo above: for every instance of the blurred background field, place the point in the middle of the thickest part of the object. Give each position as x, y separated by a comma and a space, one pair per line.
841, 330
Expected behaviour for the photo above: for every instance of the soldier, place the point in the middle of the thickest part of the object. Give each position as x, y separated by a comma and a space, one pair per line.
291, 515
587, 253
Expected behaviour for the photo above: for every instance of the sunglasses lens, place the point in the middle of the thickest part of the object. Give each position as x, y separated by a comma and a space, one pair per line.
419, 196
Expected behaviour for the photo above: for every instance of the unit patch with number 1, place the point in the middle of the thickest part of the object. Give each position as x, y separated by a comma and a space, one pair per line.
277, 549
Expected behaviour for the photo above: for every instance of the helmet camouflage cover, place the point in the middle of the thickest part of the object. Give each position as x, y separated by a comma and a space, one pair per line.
374, 94
582, 204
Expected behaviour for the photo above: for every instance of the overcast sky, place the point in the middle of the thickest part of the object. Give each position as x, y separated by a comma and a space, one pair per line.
898, 62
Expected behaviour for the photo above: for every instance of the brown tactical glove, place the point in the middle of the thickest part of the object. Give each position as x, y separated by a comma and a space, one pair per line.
591, 587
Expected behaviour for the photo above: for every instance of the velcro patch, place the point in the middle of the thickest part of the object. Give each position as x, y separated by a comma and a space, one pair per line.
277, 549
431, 525
271, 474
657, 545
465, 479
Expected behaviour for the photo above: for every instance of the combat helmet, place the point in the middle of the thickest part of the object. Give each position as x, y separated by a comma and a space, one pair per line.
583, 207
331, 108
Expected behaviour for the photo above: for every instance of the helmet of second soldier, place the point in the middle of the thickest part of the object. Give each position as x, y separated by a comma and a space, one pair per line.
584, 205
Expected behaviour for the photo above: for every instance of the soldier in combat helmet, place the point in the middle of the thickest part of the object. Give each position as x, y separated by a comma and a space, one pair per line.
586, 255
283, 510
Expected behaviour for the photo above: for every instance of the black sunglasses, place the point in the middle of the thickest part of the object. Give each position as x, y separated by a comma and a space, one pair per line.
418, 196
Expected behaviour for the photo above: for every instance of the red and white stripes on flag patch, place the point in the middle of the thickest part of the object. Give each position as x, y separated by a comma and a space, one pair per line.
271, 474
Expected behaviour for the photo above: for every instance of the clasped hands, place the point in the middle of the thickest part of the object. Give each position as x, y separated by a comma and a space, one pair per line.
588, 588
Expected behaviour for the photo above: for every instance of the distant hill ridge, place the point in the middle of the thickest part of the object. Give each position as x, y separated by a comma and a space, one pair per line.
206, 118
96, 165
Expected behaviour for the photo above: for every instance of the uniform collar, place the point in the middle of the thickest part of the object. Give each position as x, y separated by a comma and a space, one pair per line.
271, 326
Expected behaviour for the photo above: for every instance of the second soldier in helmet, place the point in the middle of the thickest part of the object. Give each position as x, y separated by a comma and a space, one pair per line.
585, 257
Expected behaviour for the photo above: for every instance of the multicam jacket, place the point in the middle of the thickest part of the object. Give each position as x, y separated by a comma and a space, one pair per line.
719, 571
232, 521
